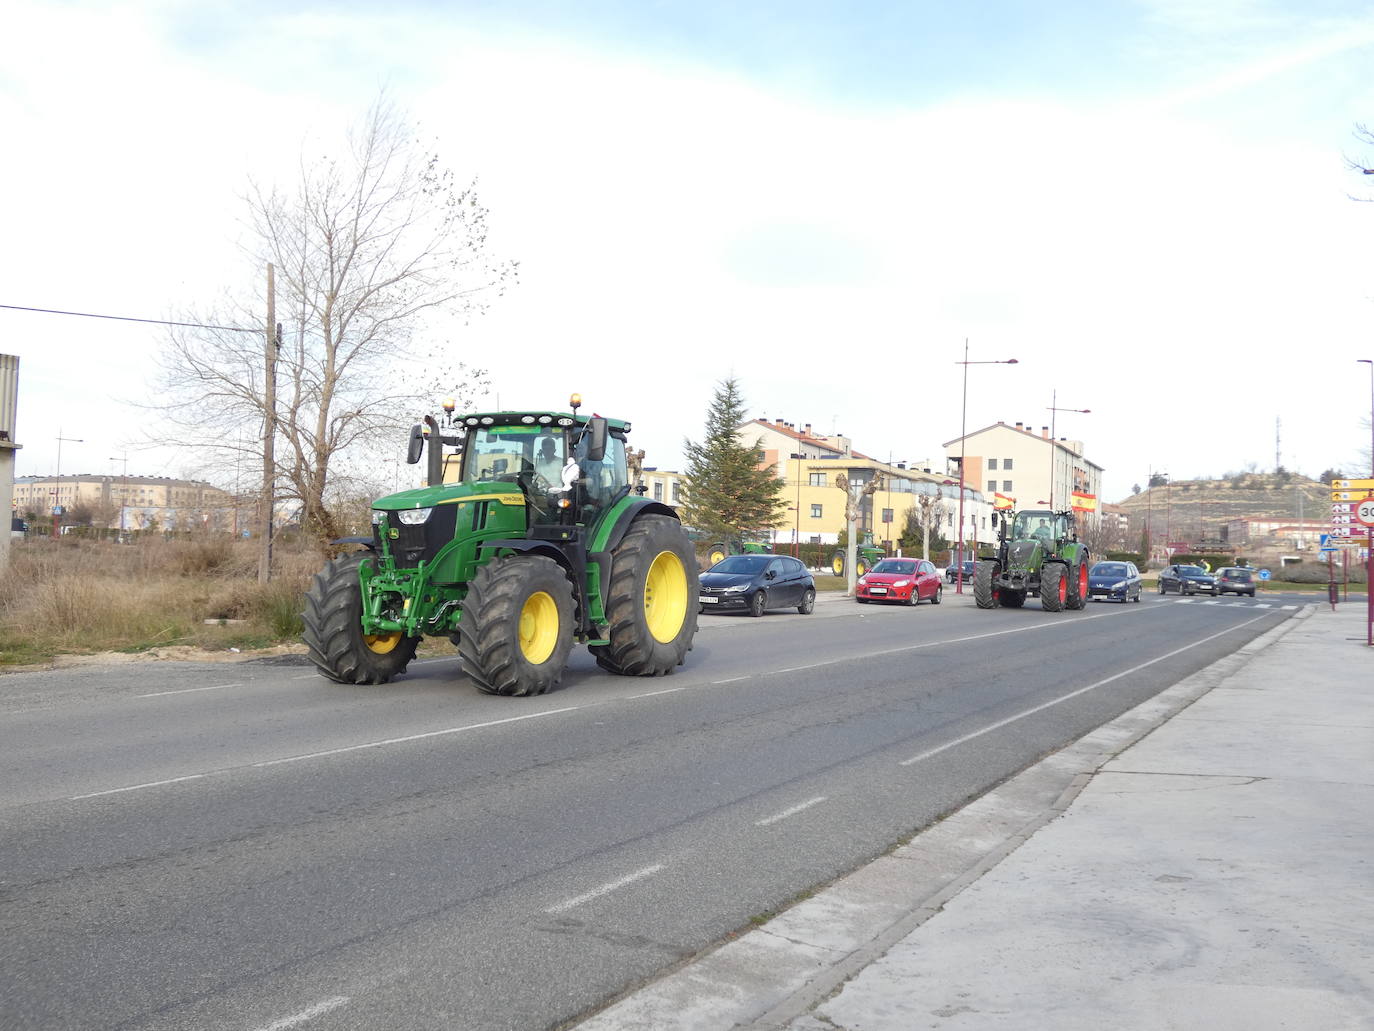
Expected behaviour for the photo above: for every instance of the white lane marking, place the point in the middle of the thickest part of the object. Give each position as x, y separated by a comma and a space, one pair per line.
1072, 694
139, 787
1184, 601
1214, 601
309, 1013
1290, 606
187, 690
1262, 605
798, 669
732, 680
789, 812
605, 889
305, 676
654, 694
411, 737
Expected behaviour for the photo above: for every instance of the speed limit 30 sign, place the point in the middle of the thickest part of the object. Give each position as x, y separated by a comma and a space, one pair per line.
1364, 511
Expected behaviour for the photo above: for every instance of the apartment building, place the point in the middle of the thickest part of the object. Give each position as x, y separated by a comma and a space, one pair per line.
132, 502
1016, 461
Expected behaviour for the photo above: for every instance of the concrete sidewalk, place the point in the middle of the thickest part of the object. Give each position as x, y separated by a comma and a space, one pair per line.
1202, 861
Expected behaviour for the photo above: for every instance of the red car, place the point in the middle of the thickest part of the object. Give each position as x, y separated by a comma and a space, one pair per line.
908, 580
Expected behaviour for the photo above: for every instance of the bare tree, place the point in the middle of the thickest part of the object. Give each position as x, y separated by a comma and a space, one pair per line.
928, 513
369, 247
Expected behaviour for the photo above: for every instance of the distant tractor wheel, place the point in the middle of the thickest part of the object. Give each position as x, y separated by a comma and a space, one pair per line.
837, 563
986, 593
1078, 587
334, 629
651, 600
717, 553
1054, 587
517, 625
860, 566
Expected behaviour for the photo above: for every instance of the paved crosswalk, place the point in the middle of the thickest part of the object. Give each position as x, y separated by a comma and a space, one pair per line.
1243, 602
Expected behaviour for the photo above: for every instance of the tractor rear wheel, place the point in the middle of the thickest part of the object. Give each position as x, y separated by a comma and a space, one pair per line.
517, 626
837, 563
1078, 587
986, 593
334, 629
1054, 587
651, 600
717, 553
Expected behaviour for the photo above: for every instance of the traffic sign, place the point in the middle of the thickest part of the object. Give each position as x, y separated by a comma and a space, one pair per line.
1263, 574
1362, 485
1364, 511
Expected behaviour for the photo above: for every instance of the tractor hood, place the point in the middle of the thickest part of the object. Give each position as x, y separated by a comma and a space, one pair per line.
1022, 554
444, 493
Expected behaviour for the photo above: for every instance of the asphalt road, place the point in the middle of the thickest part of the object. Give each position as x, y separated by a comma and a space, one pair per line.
249, 847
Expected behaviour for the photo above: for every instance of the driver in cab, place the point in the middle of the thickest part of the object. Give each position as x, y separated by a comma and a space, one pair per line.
547, 464
1043, 533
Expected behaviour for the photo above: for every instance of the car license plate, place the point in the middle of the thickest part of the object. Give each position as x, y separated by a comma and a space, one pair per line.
877, 590
708, 601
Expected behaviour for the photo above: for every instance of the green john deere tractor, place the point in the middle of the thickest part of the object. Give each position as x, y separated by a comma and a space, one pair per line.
720, 550
866, 553
527, 540
1038, 554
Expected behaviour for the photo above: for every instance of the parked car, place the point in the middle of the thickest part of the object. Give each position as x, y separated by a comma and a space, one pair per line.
908, 580
1236, 579
756, 583
18, 528
952, 573
1186, 580
1116, 581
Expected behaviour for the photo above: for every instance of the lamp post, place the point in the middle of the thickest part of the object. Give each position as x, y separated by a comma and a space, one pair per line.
1054, 441
57, 505
124, 490
1369, 537
963, 448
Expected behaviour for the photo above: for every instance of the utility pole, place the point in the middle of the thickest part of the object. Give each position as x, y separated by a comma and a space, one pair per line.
124, 489
271, 342
57, 510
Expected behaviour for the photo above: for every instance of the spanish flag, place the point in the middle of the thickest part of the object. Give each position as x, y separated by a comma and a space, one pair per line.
1084, 502
1001, 502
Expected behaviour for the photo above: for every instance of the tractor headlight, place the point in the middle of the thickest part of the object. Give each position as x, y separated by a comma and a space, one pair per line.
376, 517
413, 516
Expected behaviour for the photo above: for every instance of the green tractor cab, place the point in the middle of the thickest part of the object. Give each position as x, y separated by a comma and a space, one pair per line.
526, 540
1038, 555
866, 554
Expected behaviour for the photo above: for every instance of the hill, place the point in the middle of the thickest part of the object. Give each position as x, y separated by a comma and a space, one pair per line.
1199, 510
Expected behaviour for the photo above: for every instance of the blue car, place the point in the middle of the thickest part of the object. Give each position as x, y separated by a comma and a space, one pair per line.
1115, 581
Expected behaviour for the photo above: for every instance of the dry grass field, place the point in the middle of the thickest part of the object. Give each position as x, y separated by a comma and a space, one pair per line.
75, 596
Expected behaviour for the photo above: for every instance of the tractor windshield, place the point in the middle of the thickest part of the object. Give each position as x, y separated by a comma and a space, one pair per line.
1044, 525
506, 452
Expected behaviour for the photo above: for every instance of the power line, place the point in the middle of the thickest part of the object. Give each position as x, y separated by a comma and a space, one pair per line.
127, 318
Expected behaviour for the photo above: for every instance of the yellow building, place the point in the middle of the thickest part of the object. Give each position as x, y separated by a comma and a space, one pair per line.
131, 502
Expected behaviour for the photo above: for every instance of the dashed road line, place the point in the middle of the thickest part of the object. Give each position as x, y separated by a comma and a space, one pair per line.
186, 690
790, 812
139, 787
309, 1013
731, 680
1072, 694
605, 889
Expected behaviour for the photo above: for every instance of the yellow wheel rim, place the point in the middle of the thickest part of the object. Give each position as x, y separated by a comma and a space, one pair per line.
837, 564
716, 556
665, 597
538, 627
381, 644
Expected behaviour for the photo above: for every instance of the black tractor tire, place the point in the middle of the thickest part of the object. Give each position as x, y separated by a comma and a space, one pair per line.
1053, 590
717, 553
758, 603
334, 629
1078, 587
518, 621
935, 598
651, 600
986, 593
808, 602
1013, 599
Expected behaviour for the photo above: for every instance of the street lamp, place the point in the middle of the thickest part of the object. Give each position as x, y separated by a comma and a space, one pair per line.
124, 490
56, 515
1054, 441
1369, 538
963, 447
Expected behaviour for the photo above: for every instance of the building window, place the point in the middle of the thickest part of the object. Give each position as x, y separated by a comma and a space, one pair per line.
887, 515
816, 480
1006, 465
992, 464
1006, 486
992, 486
815, 511
677, 492
658, 490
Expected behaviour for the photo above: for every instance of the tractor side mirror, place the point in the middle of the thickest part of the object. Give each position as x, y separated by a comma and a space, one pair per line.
417, 444
596, 438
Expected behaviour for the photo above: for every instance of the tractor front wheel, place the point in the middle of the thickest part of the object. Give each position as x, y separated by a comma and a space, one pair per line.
837, 563
717, 553
860, 566
334, 629
986, 593
651, 600
517, 625
1054, 588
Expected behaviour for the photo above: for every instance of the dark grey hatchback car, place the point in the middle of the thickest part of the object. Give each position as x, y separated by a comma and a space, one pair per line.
1186, 580
756, 583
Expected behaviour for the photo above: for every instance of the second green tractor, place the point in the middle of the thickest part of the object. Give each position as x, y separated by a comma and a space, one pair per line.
1038, 555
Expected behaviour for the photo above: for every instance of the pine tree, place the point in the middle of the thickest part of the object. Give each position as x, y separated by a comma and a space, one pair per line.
727, 493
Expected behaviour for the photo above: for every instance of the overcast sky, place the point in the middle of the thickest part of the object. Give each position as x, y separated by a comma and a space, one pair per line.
1147, 204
